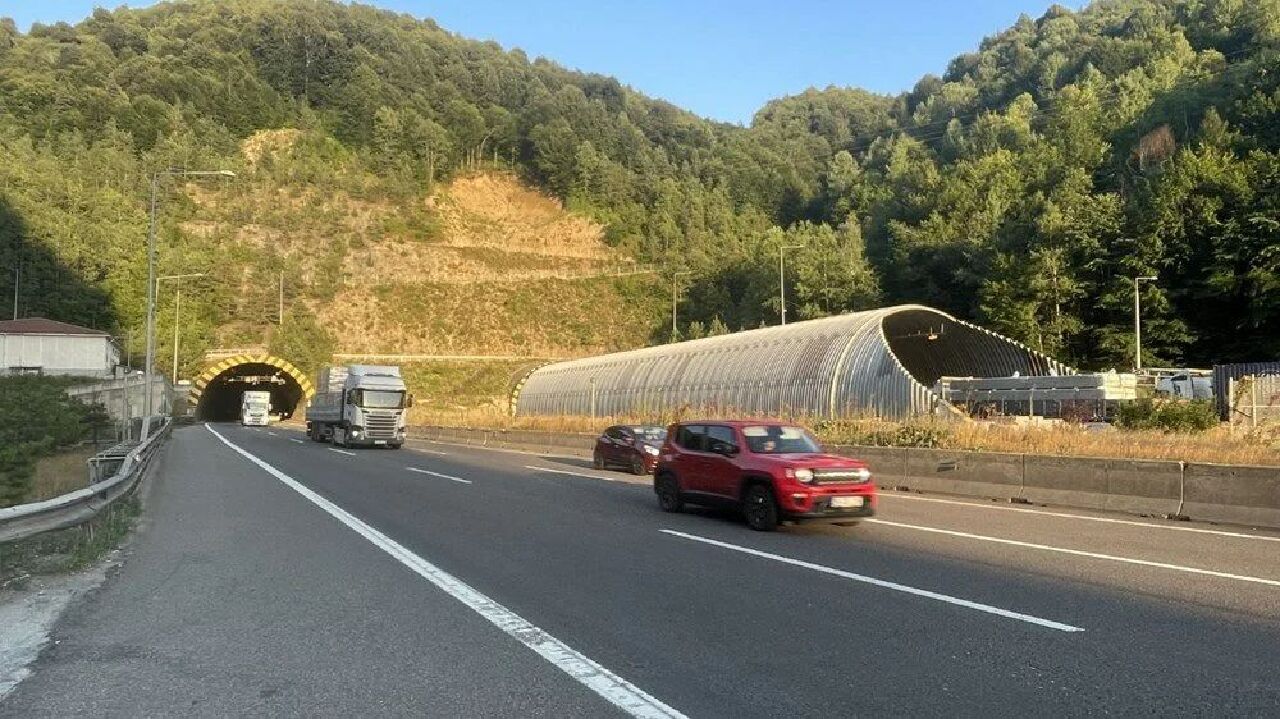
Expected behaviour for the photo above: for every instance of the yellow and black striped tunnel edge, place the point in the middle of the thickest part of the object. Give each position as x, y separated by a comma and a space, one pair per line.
212, 372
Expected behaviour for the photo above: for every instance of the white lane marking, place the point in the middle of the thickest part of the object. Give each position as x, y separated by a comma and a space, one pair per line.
618, 691
572, 474
1067, 515
342, 451
1080, 553
434, 451
271, 433
296, 441
437, 474
1008, 614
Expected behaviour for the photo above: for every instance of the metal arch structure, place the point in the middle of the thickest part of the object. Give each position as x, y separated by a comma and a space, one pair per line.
211, 372
880, 362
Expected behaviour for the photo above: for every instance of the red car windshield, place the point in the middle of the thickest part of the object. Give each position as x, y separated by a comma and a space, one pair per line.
779, 439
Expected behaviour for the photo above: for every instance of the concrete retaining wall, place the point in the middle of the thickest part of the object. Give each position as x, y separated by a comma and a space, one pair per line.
1205, 492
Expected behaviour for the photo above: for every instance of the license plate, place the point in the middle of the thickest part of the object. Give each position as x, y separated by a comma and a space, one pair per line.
379, 441
847, 502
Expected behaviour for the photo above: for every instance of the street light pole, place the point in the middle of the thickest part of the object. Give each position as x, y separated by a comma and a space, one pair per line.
149, 369
17, 282
782, 280
1137, 322
177, 313
177, 322
675, 300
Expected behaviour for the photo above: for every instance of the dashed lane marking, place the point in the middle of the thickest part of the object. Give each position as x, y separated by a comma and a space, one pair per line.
1008, 614
1079, 553
451, 478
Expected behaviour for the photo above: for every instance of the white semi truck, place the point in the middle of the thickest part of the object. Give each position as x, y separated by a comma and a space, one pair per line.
359, 405
255, 408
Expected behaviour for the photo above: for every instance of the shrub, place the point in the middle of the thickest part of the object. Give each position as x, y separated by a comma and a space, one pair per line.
1195, 416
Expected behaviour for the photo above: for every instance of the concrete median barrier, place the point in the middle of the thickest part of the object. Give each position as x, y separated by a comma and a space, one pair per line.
1233, 493
1135, 486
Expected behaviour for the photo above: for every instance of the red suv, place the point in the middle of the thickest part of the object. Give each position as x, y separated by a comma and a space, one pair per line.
773, 471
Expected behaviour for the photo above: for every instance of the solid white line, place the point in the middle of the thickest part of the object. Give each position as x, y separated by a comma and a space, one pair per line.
296, 441
613, 688
437, 474
883, 583
1081, 553
572, 474
1068, 515
342, 451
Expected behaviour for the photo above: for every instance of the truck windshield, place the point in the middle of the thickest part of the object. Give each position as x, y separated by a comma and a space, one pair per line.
379, 399
774, 439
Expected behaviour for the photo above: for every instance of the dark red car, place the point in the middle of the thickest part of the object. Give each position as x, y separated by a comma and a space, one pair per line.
772, 471
633, 447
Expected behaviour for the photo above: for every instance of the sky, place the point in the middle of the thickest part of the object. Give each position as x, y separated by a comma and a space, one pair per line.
722, 59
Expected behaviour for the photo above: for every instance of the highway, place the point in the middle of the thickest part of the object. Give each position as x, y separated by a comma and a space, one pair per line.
273, 576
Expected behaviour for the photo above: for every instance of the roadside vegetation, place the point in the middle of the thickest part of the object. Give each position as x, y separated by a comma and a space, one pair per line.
39, 422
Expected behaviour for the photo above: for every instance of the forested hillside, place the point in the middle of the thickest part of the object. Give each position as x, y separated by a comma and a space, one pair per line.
1021, 189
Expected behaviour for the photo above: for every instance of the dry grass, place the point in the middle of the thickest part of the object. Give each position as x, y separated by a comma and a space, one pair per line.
496, 210
1218, 446
61, 473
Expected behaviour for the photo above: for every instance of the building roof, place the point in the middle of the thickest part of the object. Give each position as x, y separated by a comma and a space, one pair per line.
41, 326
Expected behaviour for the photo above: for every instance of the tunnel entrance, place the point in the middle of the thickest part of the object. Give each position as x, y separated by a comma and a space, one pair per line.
931, 345
217, 392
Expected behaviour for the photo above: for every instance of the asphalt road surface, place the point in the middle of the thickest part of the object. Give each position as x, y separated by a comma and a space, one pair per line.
278, 577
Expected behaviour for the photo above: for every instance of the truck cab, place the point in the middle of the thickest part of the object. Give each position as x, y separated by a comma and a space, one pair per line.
255, 408
363, 405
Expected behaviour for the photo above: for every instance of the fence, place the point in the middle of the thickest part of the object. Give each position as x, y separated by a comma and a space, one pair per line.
1255, 401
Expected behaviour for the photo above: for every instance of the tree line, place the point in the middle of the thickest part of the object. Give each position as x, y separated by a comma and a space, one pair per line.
1023, 188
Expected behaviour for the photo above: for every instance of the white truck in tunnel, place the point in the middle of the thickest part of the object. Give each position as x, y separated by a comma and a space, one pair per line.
359, 405
255, 408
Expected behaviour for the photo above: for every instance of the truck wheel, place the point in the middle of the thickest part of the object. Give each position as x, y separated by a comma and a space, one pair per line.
339, 437
760, 508
668, 490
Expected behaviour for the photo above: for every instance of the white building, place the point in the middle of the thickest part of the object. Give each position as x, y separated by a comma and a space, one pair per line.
48, 347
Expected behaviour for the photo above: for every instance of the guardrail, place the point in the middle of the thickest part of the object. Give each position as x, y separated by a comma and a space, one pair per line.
1234, 494
68, 510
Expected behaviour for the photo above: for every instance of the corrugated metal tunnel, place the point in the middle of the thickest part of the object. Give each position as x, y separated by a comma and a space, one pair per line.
880, 363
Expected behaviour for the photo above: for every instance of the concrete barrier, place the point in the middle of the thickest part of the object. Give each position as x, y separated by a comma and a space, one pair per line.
1137, 486
971, 474
1215, 493
1237, 494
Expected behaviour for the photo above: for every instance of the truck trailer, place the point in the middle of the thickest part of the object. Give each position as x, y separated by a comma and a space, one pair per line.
359, 405
255, 408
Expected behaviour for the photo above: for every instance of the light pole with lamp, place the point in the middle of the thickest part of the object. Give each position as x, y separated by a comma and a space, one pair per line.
148, 369
675, 333
1137, 322
177, 313
782, 280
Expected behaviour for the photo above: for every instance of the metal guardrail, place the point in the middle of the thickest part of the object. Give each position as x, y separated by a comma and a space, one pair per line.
68, 510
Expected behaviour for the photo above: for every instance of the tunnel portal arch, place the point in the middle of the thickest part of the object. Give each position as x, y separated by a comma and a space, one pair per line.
216, 391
